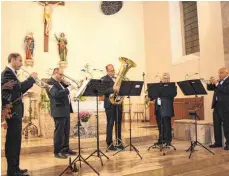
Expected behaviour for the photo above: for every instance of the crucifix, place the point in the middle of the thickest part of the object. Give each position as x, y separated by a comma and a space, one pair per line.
48, 7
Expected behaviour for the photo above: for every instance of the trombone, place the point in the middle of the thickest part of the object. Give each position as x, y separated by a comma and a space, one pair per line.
69, 79
38, 82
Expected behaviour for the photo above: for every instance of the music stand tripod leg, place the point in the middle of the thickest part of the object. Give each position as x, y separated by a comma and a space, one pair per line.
98, 151
131, 145
79, 157
196, 142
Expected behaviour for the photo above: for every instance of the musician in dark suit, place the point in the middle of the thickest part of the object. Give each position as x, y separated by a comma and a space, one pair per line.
60, 102
164, 111
14, 95
113, 111
220, 104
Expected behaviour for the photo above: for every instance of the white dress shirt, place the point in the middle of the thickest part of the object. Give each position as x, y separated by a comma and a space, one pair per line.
159, 101
12, 69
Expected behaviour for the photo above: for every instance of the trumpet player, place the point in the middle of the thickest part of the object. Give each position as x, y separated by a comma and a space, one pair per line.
13, 134
220, 104
60, 111
113, 111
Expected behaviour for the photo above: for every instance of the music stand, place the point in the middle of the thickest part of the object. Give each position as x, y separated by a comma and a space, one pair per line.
79, 157
156, 90
130, 88
96, 88
193, 87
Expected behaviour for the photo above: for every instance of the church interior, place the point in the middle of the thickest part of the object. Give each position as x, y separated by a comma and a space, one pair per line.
189, 40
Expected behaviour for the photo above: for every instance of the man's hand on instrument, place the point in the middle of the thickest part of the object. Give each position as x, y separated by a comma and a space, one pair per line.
65, 82
214, 81
34, 75
116, 89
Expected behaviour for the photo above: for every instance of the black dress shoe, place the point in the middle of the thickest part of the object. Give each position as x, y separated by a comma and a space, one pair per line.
159, 143
69, 152
215, 146
112, 148
61, 156
226, 147
21, 174
23, 170
120, 147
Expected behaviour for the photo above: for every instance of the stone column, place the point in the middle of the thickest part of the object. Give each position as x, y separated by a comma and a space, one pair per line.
225, 22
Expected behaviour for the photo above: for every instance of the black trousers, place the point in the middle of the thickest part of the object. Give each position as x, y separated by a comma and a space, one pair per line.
13, 145
220, 116
61, 134
114, 115
164, 126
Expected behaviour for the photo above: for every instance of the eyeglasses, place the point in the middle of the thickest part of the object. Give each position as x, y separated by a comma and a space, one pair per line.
61, 74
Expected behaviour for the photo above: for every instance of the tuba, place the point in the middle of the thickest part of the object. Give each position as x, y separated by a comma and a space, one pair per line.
126, 64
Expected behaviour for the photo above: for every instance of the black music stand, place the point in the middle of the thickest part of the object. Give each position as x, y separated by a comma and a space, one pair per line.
96, 88
193, 87
130, 88
156, 90
79, 156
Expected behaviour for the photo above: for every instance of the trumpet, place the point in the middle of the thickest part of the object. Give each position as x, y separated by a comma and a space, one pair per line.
208, 81
38, 82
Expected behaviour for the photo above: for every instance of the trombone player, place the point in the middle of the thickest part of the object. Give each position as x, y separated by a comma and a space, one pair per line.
13, 134
220, 104
60, 101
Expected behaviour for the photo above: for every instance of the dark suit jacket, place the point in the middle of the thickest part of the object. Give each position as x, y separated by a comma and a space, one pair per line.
107, 103
167, 109
59, 101
222, 94
9, 96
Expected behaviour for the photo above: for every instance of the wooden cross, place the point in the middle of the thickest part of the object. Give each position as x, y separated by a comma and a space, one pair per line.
48, 6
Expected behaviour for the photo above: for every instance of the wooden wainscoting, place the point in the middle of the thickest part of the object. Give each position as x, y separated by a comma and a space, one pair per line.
181, 109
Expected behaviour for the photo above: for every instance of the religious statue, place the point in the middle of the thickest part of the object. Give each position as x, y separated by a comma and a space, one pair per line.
48, 6
29, 47
62, 48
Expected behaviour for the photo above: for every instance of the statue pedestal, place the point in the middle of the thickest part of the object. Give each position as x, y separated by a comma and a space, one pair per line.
63, 64
29, 62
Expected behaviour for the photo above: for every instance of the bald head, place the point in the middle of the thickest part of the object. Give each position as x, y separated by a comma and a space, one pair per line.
223, 73
110, 69
165, 78
58, 74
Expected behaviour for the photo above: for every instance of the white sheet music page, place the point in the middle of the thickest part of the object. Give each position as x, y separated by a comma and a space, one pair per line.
82, 88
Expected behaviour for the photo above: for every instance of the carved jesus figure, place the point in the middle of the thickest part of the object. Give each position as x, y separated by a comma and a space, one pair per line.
47, 13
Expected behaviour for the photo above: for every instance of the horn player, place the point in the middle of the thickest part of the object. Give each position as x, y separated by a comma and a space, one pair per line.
220, 104
113, 111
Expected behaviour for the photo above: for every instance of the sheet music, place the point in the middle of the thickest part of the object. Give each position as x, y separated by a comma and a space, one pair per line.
82, 88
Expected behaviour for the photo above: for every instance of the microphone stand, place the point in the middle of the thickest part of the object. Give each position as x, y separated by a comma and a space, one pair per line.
144, 120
